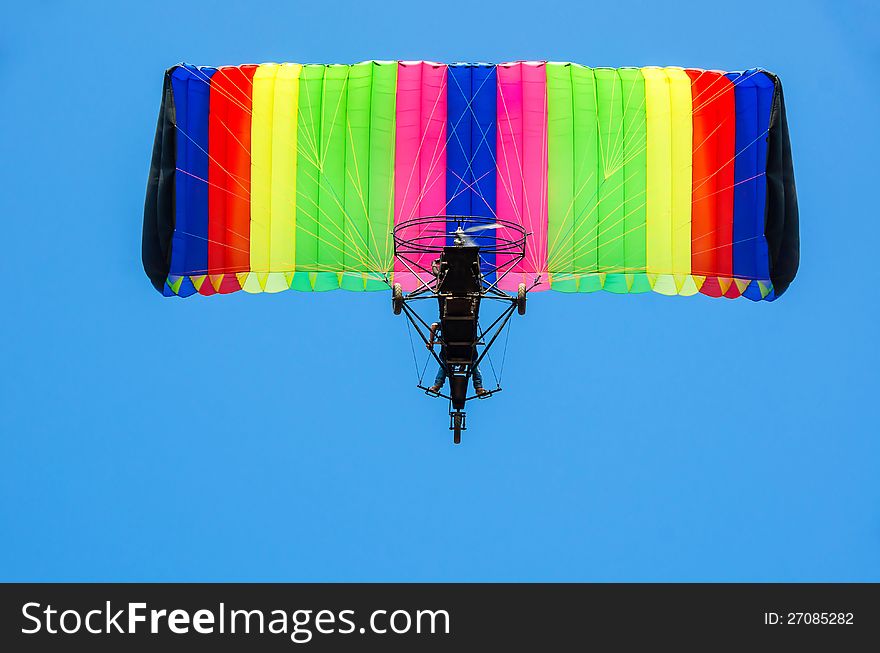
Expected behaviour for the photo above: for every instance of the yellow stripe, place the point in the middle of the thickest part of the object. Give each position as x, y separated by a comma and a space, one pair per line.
273, 176
282, 232
682, 167
261, 167
659, 179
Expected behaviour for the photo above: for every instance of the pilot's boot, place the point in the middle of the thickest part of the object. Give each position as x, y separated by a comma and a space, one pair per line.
481, 391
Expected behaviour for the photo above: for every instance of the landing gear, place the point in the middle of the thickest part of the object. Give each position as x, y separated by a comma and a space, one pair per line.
397, 298
521, 299
457, 424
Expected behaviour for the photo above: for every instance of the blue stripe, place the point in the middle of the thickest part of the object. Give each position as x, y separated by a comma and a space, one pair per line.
189, 249
750, 257
470, 152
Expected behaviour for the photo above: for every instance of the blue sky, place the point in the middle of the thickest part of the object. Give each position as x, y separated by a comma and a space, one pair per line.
280, 437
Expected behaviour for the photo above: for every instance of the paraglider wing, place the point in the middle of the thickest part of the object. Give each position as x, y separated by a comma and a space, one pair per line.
285, 176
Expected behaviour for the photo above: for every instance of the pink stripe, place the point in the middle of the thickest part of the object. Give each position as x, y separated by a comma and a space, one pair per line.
420, 157
522, 166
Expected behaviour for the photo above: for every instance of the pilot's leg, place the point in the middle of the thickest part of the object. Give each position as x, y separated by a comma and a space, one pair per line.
440, 379
478, 378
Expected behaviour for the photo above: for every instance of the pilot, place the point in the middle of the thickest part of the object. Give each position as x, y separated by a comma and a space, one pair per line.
440, 379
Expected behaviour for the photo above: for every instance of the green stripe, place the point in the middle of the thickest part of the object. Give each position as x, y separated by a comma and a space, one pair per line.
357, 258
560, 174
308, 175
587, 179
331, 194
635, 174
610, 257
383, 106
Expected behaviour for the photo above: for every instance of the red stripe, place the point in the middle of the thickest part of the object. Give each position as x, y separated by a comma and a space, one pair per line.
229, 175
714, 141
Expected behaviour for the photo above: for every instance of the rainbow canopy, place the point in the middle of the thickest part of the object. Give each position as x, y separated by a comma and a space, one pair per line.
286, 176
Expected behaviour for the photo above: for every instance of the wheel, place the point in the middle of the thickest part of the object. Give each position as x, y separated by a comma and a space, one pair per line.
397, 298
457, 420
521, 299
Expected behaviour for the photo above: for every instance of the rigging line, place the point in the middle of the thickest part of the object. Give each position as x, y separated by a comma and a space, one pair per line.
209, 183
731, 244
365, 259
317, 267
741, 78
342, 93
729, 161
695, 110
327, 184
389, 216
542, 219
627, 150
469, 108
689, 164
610, 226
507, 184
308, 141
413, 272
249, 110
489, 356
708, 136
323, 181
357, 182
513, 139
599, 124
578, 252
310, 132
428, 357
435, 160
424, 369
552, 246
369, 266
694, 98
258, 223
202, 77
580, 243
296, 223
614, 150
312, 129
471, 187
628, 158
246, 150
584, 160
209, 240
646, 269
413, 348
594, 206
504, 354
375, 255
726, 188
193, 141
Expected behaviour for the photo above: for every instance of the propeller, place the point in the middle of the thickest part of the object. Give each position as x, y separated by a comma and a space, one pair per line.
469, 230
482, 227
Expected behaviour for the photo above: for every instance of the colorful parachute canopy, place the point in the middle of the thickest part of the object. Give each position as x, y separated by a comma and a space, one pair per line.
276, 176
